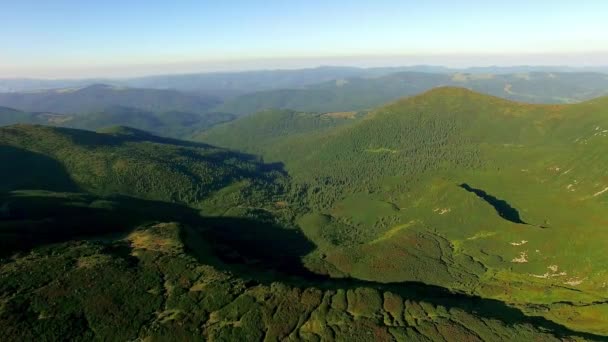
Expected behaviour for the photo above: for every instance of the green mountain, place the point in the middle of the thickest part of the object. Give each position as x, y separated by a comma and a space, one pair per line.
458, 189
360, 93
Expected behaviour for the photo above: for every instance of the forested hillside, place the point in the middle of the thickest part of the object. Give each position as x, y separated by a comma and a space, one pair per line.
126, 161
264, 130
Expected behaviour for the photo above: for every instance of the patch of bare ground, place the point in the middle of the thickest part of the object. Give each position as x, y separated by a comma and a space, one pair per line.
341, 115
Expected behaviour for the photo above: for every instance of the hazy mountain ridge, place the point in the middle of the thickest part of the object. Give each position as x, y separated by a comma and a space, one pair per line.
252, 81
171, 123
365, 93
99, 96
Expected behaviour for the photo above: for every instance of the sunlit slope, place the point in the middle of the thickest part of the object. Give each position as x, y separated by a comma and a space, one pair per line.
451, 187
265, 130
123, 161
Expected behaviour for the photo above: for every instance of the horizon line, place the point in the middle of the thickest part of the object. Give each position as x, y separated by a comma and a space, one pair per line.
601, 68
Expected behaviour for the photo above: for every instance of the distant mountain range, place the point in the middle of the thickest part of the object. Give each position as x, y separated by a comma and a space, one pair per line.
99, 96
360, 93
226, 84
189, 104
170, 123
215, 83
165, 112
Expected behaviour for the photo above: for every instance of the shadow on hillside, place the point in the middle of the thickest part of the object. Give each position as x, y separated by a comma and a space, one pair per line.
128, 134
502, 207
32, 218
222, 157
255, 248
119, 135
122, 135
258, 245
21, 169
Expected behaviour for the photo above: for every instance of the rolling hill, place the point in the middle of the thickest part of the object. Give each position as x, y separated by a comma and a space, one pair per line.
353, 94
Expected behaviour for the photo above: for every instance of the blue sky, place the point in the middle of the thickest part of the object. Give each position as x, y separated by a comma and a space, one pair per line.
75, 38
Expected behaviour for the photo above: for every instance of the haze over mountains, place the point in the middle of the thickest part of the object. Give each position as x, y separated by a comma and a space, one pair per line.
234, 83
99, 96
180, 105
322, 204
165, 112
365, 93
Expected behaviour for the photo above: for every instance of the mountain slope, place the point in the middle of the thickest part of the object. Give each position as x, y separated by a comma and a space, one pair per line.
259, 132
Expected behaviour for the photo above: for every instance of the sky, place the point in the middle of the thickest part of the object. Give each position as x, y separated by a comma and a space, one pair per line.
87, 38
